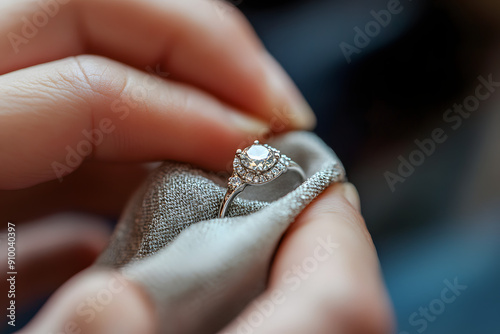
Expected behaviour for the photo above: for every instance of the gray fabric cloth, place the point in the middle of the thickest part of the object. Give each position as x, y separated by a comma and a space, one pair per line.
202, 271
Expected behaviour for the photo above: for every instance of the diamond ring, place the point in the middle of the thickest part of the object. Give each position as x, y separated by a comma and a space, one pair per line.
254, 166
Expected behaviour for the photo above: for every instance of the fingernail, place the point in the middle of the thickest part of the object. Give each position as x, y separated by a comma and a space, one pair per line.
287, 98
247, 123
352, 195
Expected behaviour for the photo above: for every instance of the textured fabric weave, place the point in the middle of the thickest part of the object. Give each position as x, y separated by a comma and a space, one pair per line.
202, 271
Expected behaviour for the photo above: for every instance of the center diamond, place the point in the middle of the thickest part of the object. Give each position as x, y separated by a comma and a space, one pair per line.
257, 157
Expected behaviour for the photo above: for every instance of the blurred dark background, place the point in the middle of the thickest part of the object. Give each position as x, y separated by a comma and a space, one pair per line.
441, 226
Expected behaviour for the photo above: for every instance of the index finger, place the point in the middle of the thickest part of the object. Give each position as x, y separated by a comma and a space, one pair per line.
200, 42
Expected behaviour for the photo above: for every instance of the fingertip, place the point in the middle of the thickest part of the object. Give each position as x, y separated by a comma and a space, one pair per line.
248, 124
340, 200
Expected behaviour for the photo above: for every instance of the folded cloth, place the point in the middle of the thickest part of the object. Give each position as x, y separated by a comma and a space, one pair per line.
200, 270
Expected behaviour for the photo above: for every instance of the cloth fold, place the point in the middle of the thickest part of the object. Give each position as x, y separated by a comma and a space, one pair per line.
199, 270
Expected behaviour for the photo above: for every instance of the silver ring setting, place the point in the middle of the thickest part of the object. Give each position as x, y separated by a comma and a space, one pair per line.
256, 165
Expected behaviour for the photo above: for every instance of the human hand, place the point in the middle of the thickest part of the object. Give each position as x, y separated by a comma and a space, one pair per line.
87, 86
314, 288
325, 278
222, 86
222, 89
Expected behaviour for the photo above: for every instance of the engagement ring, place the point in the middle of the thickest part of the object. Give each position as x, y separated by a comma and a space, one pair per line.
257, 165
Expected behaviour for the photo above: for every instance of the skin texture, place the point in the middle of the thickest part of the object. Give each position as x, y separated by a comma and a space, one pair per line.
105, 86
345, 294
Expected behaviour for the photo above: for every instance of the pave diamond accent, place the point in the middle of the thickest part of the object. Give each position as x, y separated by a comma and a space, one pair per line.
240, 170
235, 181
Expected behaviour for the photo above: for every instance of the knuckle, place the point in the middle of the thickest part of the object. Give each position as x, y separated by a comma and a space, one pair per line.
77, 80
95, 75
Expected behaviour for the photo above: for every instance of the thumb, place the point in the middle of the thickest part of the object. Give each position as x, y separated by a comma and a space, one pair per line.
94, 302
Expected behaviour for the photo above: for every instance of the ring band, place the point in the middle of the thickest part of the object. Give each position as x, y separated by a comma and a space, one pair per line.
256, 165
